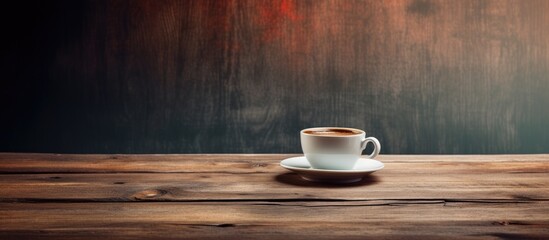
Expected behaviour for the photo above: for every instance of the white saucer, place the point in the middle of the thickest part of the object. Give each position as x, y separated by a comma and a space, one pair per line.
301, 166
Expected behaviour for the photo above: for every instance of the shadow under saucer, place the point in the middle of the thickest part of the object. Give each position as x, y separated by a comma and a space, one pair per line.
297, 180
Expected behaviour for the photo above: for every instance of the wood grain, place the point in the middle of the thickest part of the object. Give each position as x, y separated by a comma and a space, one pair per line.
121, 178
248, 196
244, 76
280, 186
244, 163
259, 220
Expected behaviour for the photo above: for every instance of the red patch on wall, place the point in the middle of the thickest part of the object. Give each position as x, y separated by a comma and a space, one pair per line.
273, 15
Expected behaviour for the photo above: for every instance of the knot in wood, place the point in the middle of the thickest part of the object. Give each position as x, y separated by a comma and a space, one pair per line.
150, 194
502, 223
259, 165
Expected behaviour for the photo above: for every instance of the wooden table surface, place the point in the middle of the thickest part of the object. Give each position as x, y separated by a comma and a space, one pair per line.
242, 196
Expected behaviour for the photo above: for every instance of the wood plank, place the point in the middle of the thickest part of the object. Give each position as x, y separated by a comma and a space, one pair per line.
253, 220
245, 163
258, 177
386, 184
251, 197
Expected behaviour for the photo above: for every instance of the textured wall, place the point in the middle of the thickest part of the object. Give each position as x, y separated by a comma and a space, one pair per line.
142, 76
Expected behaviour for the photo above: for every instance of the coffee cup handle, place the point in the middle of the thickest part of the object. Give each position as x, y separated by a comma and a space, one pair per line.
373, 140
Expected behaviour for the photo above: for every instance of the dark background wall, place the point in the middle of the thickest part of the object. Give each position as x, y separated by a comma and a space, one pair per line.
214, 76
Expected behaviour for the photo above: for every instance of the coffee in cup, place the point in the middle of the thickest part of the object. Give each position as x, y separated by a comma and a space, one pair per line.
335, 148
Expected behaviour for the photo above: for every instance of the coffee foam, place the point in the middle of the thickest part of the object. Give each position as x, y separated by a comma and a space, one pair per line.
332, 132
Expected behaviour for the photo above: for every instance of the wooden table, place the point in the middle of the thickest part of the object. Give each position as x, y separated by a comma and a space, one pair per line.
52, 196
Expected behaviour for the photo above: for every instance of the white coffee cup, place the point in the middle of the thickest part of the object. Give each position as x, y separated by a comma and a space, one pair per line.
335, 148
